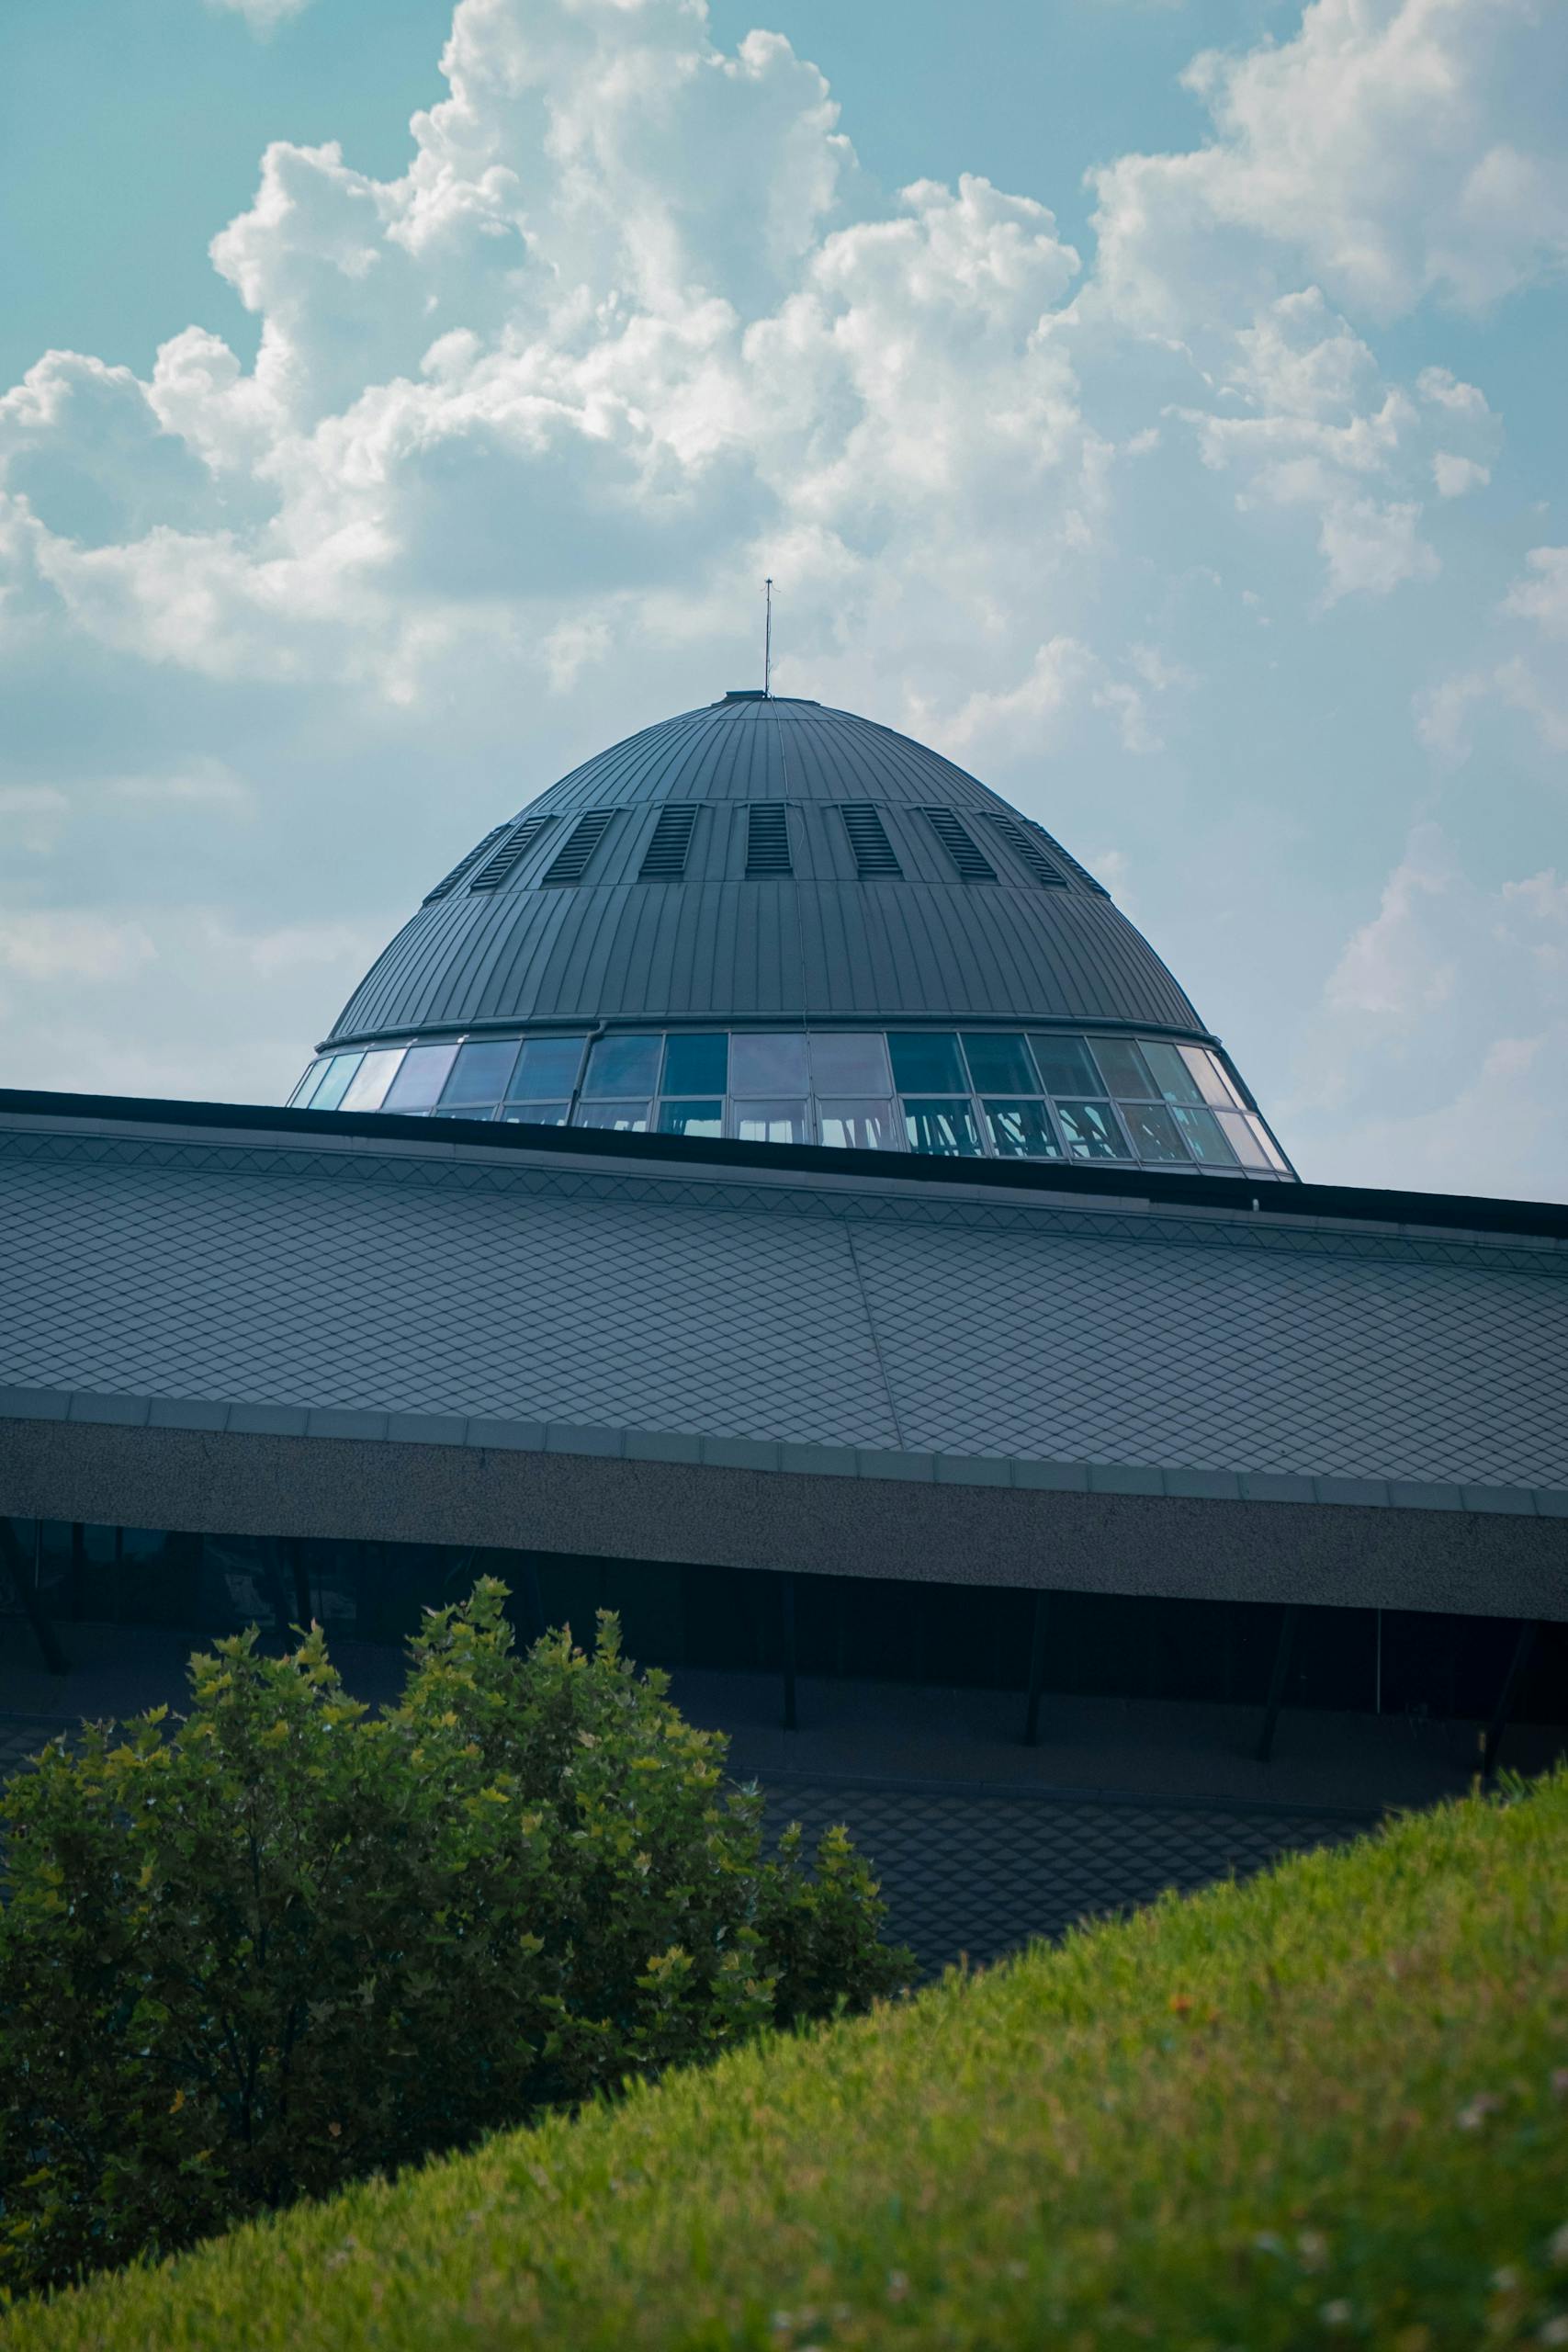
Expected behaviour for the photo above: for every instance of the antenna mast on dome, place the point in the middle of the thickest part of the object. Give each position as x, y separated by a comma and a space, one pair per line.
768, 641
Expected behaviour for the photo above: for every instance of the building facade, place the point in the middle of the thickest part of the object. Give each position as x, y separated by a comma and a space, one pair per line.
769, 1189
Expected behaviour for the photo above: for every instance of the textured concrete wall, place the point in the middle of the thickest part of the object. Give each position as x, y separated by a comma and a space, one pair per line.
1480, 1563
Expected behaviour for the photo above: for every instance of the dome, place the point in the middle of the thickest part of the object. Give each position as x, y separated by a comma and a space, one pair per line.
766, 868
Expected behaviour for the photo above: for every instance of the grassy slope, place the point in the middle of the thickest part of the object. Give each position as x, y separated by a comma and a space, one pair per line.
1329, 2107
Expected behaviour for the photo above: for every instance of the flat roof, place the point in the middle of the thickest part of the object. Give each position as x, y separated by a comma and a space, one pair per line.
250, 1319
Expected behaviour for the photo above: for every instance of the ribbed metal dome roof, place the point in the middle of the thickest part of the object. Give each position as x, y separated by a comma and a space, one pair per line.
766, 860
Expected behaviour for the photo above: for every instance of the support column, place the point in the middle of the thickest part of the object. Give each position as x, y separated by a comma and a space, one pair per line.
301, 1582
1036, 1671
787, 1599
1278, 1680
1493, 1738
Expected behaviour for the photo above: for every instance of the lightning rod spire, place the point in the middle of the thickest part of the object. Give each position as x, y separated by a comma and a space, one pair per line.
768, 640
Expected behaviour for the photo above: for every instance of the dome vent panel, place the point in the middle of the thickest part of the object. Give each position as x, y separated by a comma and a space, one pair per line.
510, 855
570, 861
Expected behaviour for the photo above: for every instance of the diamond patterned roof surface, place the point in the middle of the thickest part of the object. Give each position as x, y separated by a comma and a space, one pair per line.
450, 1279
979, 1876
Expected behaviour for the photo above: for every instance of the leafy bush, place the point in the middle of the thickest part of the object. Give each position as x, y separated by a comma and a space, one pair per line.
282, 1942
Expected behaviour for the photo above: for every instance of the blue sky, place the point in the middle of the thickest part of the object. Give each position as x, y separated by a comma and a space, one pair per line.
1156, 404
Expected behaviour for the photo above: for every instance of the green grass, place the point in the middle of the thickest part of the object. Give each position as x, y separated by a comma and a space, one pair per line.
1327, 2107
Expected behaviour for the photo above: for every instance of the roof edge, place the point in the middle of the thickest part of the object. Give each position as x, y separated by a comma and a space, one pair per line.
1304, 1200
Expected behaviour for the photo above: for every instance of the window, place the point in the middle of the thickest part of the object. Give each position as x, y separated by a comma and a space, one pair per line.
545, 1067
698, 1065
1000, 1065
1212, 1083
420, 1079
623, 1065
691, 1118
1202, 1133
768, 1062
927, 1062
1175, 1080
775, 1121
535, 1114
767, 838
509, 856
971, 863
334, 1084
1153, 1131
624, 1118
664, 859
1267, 1145
858, 1125
481, 1071
371, 1080
1021, 1131
1125, 1070
845, 1063
947, 1128
869, 844
1091, 1131
302, 1092
570, 860
1066, 1064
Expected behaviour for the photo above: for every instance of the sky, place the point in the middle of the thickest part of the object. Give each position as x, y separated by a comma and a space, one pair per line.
1156, 405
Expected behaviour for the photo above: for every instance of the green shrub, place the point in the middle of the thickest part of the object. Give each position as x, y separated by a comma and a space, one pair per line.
284, 1943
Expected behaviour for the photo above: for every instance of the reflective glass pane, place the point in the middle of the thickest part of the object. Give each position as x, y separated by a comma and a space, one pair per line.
623, 1065
1123, 1068
756, 1121
1212, 1084
627, 1118
480, 1072
1022, 1131
858, 1125
771, 1063
1266, 1144
695, 1065
545, 1067
328, 1095
691, 1118
926, 1062
1153, 1131
536, 1114
1202, 1133
846, 1063
1091, 1131
945, 1127
467, 1110
301, 1094
420, 1079
1173, 1077
1000, 1065
1066, 1064
372, 1079
1237, 1129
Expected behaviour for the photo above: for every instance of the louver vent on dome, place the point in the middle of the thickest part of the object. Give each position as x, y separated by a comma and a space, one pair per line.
872, 850
964, 850
664, 859
1029, 852
511, 854
570, 861
465, 865
767, 838
1059, 853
